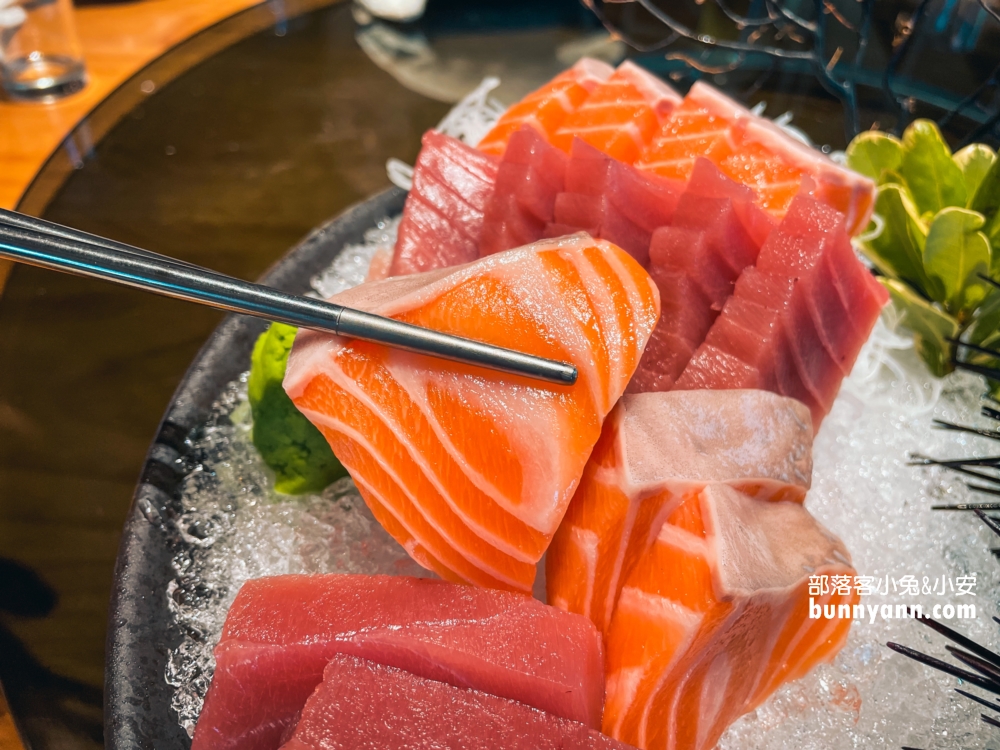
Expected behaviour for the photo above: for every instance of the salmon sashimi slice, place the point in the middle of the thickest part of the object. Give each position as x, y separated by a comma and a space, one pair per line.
531, 175
813, 307
657, 449
443, 215
852, 194
547, 108
718, 614
621, 116
755, 152
613, 201
363, 704
281, 631
470, 470
698, 127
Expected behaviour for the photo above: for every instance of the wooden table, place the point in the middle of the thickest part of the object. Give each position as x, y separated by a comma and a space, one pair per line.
117, 42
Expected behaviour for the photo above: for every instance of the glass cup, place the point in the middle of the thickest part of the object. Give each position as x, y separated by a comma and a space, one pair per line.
40, 56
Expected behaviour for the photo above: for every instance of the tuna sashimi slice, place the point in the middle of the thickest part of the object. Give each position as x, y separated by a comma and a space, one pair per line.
621, 115
655, 450
362, 704
613, 200
686, 315
708, 244
547, 108
443, 215
823, 304
470, 470
706, 180
718, 614
531, 175
281, 632
745, 348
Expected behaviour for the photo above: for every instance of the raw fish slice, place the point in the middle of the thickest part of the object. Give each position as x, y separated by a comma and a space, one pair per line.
622, 115
708, 246
361, 704
686, 315
443, 216
282, 631
716, 616
699, 126
531, 175
847, 191
689, 251
546, 109
706, 180
470, 470
579, 210
774, 181
655, 450
614, 200
809, 277
757, 153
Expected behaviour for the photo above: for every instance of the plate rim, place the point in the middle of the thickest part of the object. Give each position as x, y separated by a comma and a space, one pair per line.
141, 634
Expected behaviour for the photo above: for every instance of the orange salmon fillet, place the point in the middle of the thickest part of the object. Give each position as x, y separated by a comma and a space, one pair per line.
470, 470
755, 152
656, 450
547, 108
718, 614
699, 126
622, 115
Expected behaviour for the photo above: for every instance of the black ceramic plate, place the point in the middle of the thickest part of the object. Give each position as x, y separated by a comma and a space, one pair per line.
141, 631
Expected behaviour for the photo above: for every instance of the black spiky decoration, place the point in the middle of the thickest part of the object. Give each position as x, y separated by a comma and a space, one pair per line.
986, 473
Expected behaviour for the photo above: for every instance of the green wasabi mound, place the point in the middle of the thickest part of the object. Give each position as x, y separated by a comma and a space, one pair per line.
288, 442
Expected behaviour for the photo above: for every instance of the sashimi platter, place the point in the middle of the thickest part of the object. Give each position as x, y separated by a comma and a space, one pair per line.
706, 541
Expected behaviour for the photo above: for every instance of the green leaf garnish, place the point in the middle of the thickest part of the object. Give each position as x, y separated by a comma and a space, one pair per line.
934, 179
898, 251
872, 153
288, 442
931, 327
987, 323
986, 199
955, 255
975, 161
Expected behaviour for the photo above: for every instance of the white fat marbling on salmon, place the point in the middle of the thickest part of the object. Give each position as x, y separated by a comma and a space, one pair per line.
530, 418
623, 684
430, 473
530, 429
760, 556
335, 424
716, 436
586, 542
654, 90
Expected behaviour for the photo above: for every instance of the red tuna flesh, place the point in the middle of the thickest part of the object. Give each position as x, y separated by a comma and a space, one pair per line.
695, 263
531, 175
363, 704
613, 201
797, 321
706, 179
443, 216
281, 632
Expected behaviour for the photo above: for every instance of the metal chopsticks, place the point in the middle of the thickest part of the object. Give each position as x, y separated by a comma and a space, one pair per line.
36, 242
